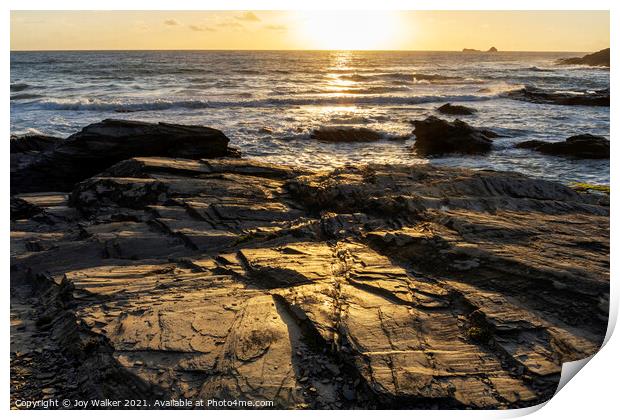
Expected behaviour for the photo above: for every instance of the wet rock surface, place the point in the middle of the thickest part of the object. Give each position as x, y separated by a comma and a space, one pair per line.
541, 96
345, 134
103, 144
380, 286
582, 146
33, 143
435, 137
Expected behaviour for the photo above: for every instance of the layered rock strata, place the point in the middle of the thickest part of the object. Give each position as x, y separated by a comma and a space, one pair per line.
380, 286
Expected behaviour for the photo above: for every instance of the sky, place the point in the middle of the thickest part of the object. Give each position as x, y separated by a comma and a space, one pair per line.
580, 31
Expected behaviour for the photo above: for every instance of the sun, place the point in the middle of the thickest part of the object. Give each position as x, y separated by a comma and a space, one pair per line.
347, 30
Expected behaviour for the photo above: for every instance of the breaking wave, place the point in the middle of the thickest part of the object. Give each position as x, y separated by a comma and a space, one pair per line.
18, 87
119, 106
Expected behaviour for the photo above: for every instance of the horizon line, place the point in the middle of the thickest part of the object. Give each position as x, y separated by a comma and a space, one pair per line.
294, 50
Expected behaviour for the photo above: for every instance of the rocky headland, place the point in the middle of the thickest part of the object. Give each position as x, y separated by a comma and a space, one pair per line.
600, 58
150, 261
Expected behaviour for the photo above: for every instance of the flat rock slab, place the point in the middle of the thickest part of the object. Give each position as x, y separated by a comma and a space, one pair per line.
381, 286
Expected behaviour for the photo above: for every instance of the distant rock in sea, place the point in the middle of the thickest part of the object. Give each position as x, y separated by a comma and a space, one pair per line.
583, 146
492, 49
600, 58
450, 109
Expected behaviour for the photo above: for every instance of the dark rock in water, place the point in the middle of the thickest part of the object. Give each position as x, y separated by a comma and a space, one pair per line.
583, 146
435, 136
450, 109
345, 134
99, 146
600, 58
490, 133
535, 95
492, 49
33, 143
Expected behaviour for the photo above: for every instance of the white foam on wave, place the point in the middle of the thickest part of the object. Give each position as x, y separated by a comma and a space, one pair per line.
162, 104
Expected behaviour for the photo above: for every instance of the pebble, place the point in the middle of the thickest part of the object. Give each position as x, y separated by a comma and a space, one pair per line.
348, 393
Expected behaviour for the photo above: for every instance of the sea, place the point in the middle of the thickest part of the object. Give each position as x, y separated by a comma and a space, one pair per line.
268, 102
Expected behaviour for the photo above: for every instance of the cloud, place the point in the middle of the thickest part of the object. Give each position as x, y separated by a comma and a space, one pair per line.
276, 27
230, 25
200, 28
141, 25
28, 22
171, 22
248, 17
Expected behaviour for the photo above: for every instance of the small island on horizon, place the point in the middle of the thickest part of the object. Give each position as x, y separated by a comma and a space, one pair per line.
469, 50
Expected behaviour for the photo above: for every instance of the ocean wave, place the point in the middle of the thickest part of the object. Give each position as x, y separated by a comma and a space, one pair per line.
358, 77
20, 96
409, 78
434, 77
399, 76
18, 87
534, 68
249, 72
369, 90
354, 119
157, 105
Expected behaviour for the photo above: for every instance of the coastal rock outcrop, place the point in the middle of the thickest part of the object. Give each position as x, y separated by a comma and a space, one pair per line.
599, 58
435, 136
103, 144
541, 96
379, 286
583, 146
450, 109
33, 143
345, 134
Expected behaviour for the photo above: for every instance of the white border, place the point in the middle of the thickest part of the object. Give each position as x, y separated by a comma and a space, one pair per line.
592, 395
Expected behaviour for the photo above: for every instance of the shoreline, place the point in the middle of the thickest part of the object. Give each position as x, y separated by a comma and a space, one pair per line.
269, 103
177, 275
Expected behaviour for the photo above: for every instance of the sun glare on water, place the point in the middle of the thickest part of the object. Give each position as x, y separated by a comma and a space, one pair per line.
348, 30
